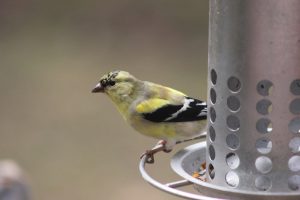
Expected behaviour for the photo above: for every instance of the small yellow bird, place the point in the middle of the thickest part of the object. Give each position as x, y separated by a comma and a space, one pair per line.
155, 110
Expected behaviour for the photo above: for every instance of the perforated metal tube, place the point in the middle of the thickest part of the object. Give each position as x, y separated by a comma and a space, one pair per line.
253, 141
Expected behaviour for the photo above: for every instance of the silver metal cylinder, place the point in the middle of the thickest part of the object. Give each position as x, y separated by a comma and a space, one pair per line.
253, 142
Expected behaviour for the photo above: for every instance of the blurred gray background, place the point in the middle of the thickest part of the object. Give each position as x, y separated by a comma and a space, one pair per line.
73, 144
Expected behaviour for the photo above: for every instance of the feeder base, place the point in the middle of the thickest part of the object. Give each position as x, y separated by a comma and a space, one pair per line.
187, 161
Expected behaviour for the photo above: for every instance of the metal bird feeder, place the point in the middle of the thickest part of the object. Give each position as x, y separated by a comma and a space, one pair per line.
252, 148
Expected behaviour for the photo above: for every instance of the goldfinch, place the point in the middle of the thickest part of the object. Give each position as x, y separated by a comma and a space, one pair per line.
155, 110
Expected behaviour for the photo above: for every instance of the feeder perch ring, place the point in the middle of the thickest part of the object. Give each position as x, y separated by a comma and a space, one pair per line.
172, 187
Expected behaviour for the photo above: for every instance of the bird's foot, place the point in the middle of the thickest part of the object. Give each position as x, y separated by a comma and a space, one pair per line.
160, 146
164, 144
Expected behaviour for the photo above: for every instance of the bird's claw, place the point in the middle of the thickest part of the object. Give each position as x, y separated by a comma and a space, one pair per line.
149, 156
160, 146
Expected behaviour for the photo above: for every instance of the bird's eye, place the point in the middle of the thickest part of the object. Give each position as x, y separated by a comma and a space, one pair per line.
112, 83
106, 82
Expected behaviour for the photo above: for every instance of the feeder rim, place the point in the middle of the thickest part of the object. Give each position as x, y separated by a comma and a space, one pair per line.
170, 187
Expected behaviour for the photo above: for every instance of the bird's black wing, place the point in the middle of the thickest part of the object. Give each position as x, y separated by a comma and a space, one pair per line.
191, 110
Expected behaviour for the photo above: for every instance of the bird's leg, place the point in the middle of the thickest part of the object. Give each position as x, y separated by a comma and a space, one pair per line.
160, 146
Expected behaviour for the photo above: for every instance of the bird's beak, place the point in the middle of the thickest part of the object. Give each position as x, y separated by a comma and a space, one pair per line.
98, 88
